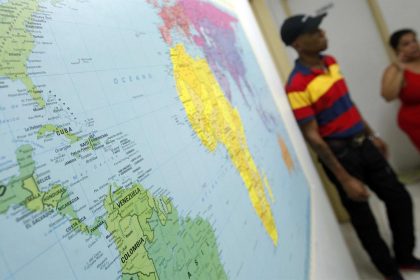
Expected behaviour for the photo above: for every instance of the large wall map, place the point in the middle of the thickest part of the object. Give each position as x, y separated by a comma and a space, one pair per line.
139, 140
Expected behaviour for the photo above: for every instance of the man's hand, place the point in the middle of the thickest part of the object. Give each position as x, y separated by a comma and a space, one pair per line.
355, 189
382, 147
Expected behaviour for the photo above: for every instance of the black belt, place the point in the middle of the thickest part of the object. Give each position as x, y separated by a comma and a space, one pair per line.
354, 141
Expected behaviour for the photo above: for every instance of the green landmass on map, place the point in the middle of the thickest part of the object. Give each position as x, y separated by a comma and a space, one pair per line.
17, 43
24, 190
155, 243
152, 240
57, 130
185, 248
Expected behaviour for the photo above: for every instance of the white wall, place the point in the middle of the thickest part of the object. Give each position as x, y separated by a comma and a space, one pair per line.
401, 14
330, 258
356, 43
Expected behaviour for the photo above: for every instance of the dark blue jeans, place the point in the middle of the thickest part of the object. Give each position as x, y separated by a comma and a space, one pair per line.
367, 164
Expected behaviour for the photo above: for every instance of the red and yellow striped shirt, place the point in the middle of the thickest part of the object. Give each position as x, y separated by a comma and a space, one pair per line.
323, 95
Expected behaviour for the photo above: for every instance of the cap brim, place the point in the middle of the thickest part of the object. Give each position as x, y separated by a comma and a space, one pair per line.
313, 23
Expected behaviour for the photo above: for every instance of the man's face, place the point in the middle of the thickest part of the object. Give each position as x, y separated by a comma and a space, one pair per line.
311, 42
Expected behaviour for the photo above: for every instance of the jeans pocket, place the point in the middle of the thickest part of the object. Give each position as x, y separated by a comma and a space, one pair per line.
341, 153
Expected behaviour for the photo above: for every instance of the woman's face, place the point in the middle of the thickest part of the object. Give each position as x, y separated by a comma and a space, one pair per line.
408, 46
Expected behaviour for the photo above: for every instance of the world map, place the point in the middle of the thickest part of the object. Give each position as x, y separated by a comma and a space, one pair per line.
139, 140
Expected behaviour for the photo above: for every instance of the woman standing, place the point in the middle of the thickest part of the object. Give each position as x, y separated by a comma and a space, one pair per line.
401, 80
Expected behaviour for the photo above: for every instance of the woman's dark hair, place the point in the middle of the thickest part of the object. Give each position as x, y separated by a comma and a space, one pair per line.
394, 40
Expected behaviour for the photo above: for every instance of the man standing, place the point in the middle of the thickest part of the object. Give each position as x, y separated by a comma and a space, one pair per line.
351, 154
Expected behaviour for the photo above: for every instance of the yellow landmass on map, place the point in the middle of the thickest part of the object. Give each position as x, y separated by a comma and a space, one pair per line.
35, 203
215, 121
268, 187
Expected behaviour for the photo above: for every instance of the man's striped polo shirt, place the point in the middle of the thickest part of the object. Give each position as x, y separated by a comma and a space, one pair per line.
323, 95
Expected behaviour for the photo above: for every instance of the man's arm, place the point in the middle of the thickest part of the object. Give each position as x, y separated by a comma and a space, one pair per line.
352, 186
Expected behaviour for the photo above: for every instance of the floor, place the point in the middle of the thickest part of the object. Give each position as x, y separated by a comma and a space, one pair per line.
366, 270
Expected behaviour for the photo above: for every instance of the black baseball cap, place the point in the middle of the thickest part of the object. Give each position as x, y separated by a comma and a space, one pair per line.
297, 25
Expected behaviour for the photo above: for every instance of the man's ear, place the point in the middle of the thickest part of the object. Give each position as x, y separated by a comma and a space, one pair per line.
296, 44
